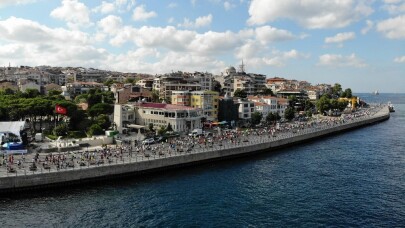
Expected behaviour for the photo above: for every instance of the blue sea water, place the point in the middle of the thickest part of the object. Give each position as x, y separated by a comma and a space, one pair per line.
355, 179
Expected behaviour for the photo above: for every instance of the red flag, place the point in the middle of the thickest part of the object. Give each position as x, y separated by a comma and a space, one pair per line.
60, 110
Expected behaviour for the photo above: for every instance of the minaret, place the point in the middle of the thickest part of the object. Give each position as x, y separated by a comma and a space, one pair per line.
242, 67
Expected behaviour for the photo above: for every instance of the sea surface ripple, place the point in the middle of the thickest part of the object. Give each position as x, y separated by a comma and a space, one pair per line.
355, 179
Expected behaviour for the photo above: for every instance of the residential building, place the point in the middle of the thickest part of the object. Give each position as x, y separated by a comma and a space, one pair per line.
276, 104
146, 83
124, 93
206, 100
76, 88
228, 110
25, 84
245, 110
262, 108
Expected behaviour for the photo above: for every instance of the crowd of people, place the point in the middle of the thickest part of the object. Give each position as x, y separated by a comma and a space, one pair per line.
134, 151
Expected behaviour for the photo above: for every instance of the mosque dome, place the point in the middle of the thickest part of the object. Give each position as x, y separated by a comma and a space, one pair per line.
230, 70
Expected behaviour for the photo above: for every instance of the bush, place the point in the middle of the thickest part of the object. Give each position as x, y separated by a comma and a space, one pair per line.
77, 134
60, 130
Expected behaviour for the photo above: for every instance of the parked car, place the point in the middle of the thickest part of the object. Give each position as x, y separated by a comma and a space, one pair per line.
196, 132
160, 139
148, 141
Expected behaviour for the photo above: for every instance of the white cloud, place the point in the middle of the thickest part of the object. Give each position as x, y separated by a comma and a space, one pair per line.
340, 37
16, 29
393, 28
400, 59
394, 6
214, 43
110, 24
268, 34
105, 7
44, 45
276, 59
228, 6
4, 3
392, 1
172, 5
124, 5
170, 20
310, 14
249, 50
75, 13
140, 14
199, 22
341, 61
369, 26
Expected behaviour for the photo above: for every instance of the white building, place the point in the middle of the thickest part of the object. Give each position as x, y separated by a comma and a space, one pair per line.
23, 85
262, 108
276, 104
245, 109
181, 118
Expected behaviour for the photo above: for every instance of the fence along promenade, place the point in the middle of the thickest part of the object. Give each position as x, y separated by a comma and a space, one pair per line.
63, 168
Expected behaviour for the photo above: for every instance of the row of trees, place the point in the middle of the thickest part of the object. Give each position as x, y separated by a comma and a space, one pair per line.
37, 108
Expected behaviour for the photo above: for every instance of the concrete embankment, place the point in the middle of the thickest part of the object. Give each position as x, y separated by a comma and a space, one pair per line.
92, 173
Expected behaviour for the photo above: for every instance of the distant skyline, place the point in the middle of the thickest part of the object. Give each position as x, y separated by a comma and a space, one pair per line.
357, 43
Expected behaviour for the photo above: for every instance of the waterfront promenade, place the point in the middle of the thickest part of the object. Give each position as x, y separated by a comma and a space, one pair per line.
61, 168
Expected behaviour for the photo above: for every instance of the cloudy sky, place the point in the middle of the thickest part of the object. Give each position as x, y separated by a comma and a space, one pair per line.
358, 43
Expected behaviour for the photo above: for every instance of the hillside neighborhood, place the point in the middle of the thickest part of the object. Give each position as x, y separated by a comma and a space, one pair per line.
79, 102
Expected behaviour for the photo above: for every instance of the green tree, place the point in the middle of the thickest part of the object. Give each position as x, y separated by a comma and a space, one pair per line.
150, 126
130, 81
109, 82
95, 129
100, 108
289, 113
266, 92
31, 93
323, 104
342, 105
256, 117
169, 127
61, 130
240, 93
337, 90
217, 86
103, 121
334, 104
155, 96
308, 113
54, 92
348, 93
161, 130
271, 117
292, 100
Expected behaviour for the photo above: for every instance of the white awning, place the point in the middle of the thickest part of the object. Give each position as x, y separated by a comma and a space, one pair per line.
135, 126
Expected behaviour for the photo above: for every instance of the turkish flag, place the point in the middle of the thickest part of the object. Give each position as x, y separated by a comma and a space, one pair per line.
60, 110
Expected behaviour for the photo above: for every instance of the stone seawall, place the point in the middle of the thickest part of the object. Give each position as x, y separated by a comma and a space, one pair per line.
65, 177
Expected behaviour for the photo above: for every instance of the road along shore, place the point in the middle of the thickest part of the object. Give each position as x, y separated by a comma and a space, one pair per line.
26, 180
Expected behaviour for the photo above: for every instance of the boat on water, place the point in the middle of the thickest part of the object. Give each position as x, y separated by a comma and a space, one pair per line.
391, 107
376, 92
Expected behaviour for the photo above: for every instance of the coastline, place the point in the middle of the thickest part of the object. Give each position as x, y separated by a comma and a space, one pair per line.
261, 144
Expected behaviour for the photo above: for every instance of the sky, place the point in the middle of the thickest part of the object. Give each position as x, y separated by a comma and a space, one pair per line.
357, 43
